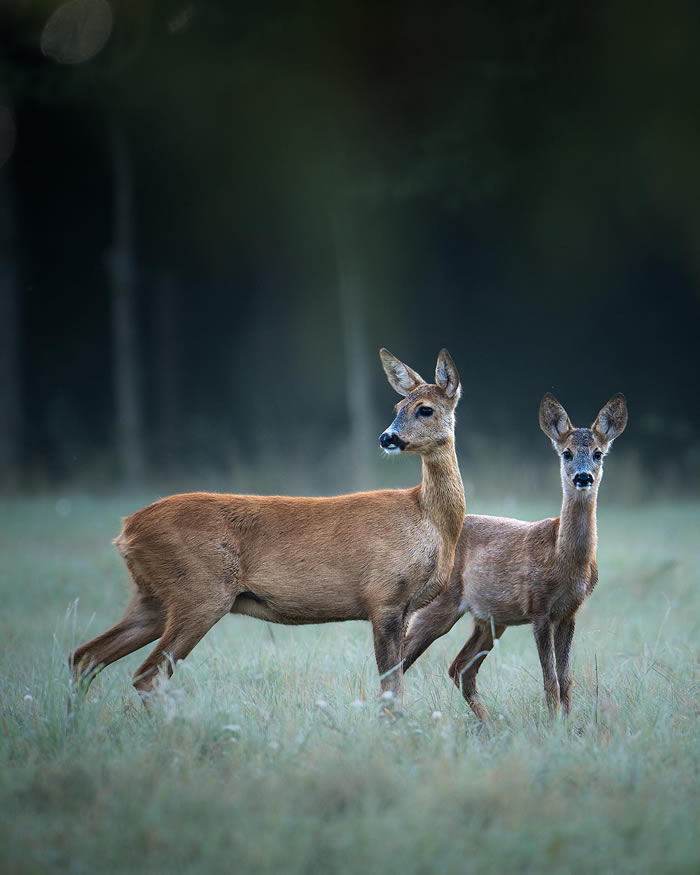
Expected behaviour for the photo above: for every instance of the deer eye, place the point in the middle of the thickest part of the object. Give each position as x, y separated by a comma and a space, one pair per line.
567, 455
425, 411
597, 455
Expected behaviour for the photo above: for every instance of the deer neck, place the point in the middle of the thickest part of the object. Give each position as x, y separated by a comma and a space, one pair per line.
578, 535
442, 492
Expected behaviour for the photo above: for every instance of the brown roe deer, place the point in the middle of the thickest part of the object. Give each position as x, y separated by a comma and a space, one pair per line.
508, 572
374, 556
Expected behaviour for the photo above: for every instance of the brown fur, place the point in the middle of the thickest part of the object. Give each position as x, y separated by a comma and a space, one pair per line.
374, 556
508, 572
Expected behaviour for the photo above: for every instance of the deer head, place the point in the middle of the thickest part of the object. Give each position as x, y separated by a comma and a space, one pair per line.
425, 418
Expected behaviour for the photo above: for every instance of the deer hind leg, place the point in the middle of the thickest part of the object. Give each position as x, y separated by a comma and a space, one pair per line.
431, 623
544, 638
563, 638
143, 622
467, 663
187, 622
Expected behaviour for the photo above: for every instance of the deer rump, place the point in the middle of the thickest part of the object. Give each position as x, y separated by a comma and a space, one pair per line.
286, 560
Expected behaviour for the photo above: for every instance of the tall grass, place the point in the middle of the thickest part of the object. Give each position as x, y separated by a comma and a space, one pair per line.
269, 751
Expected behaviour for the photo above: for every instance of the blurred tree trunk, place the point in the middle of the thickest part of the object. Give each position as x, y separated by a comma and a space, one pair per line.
353, 326
165, 332
10, 376
129, 419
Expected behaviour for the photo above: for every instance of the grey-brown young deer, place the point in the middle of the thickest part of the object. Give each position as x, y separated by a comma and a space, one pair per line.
374, 556
508, 572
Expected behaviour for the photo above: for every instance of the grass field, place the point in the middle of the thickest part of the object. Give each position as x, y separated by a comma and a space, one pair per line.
268, 751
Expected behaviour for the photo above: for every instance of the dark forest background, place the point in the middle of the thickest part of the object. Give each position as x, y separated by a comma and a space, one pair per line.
213, 214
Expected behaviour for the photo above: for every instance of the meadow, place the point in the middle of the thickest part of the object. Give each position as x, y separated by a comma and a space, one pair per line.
270, 752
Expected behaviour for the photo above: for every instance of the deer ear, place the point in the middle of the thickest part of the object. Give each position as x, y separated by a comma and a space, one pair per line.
401, 378
612, 419
554, 420
447, 376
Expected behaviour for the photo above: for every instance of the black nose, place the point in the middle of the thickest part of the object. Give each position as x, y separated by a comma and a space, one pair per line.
583, 478
388, 440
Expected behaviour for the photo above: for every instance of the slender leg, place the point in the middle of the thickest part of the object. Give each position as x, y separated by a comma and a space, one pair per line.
563, 638
388, 634
466, 664
184, 629
142, 623
544, 638
431, 623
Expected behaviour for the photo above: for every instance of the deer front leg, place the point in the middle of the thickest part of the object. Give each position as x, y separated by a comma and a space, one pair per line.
544, 638
563, 638
467, 663
388, 634
430, 623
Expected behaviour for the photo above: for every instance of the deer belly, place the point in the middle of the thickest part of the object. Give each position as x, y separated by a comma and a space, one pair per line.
285, 614
324, 579
307, 592
487, 599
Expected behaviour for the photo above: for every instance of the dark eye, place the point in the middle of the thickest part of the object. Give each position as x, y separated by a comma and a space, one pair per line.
425, 411
567, 455
597, 455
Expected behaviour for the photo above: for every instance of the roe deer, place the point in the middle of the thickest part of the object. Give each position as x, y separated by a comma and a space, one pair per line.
374, 556
508, 572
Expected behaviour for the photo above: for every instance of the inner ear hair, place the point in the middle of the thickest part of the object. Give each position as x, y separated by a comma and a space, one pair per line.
402, 378
612, 419
447, 376
554, 420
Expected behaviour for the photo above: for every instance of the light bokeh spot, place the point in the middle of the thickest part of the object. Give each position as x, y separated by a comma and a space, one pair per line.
77, 31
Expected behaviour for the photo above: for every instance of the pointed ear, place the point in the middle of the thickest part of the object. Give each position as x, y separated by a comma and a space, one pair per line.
401, 378
446, 375
554, 420
612, 419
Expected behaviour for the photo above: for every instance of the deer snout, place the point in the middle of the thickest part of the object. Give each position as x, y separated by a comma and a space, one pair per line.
583, 480
391, 442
